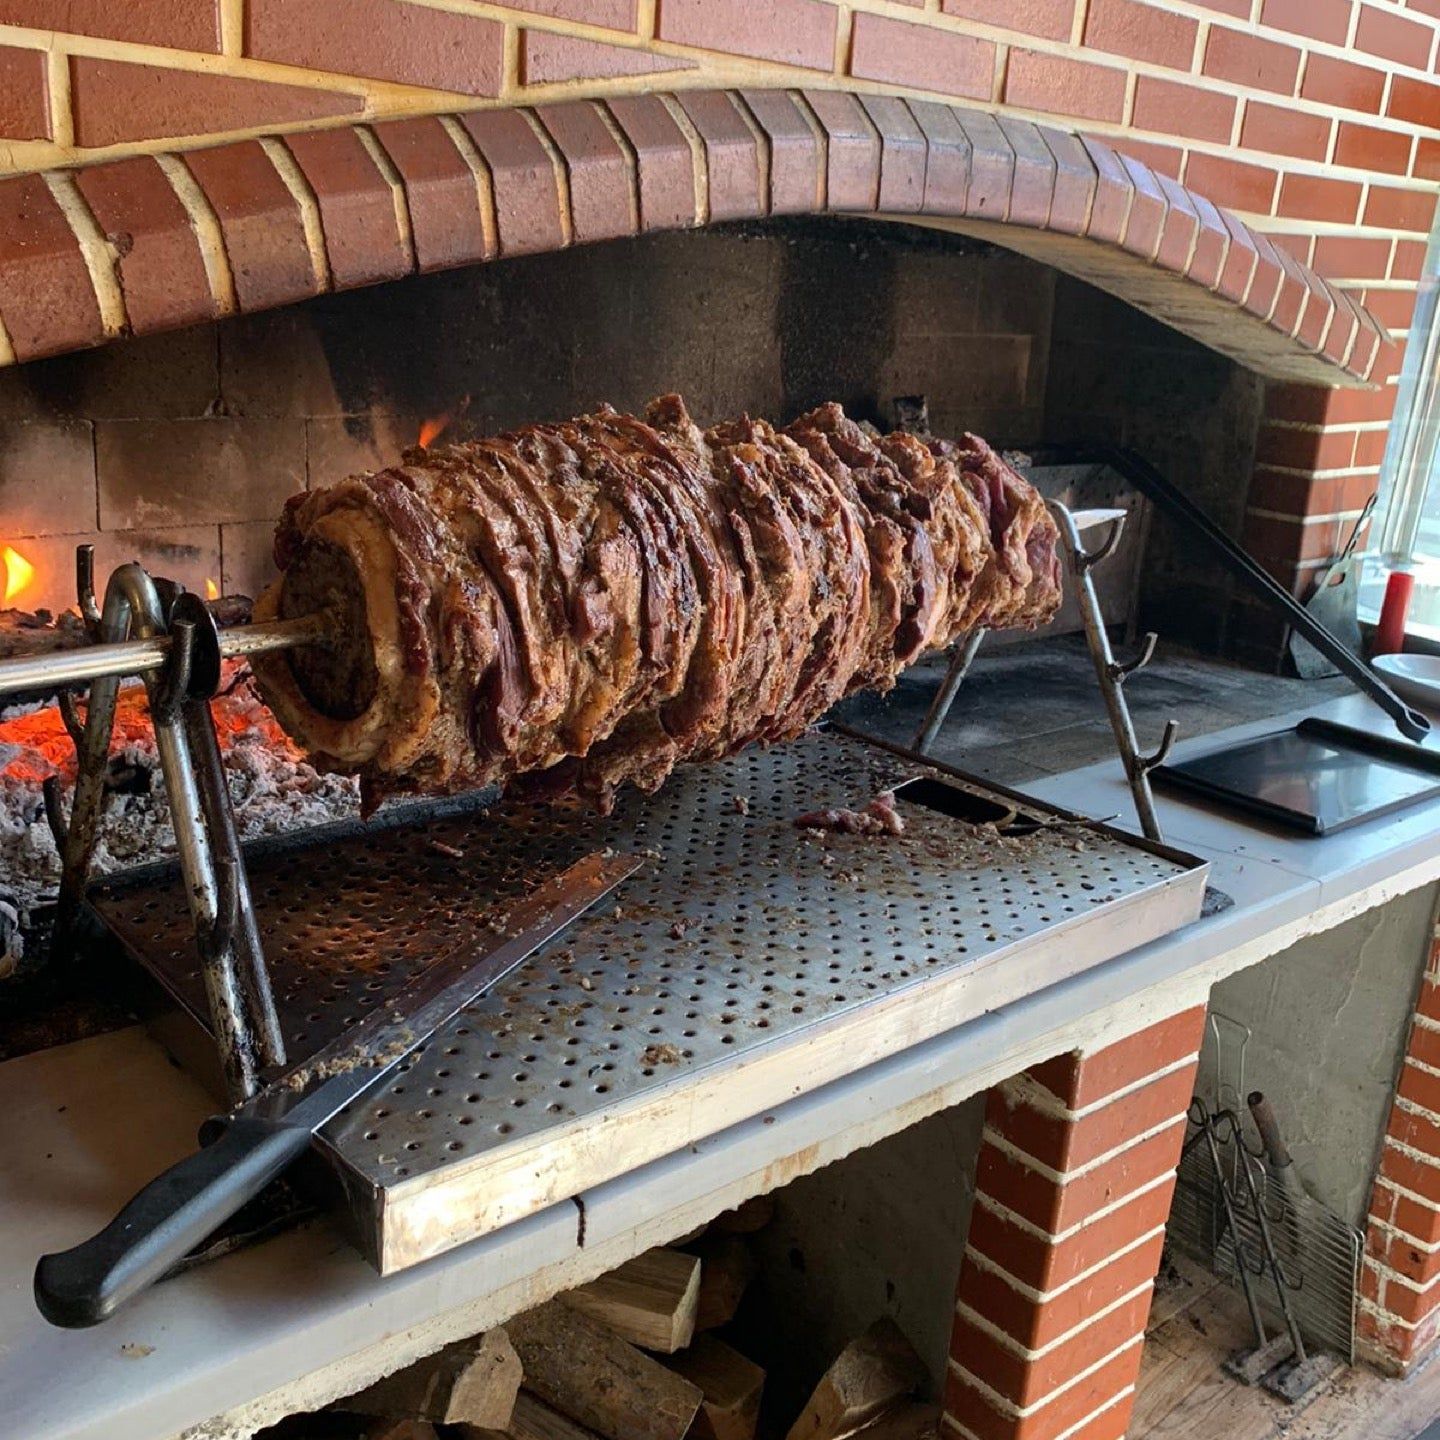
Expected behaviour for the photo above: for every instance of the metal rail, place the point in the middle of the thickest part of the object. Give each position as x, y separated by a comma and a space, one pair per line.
1178, 506
108, 659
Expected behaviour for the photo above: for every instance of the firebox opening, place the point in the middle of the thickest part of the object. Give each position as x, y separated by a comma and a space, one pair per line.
180, 449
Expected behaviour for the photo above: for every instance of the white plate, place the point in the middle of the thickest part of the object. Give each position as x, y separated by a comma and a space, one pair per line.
1416, 677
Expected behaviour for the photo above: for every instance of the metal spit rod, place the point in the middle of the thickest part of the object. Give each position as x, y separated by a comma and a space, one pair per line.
108, 659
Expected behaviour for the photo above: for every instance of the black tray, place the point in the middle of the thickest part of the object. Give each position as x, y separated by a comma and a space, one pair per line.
1317, 777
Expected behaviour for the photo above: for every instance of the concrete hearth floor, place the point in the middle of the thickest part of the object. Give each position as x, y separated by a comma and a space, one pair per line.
1031, 710
1196, 1321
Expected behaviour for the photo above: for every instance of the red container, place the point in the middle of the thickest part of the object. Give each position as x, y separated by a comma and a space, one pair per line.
1390, 631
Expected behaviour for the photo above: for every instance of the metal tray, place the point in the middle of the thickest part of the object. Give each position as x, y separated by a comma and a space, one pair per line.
747, 963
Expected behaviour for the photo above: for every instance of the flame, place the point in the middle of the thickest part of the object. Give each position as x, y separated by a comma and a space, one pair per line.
212, 590
432, 429
19, 572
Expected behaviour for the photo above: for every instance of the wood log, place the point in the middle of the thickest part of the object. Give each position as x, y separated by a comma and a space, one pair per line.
533, 1420
730, 1386
727, 1266
407, 1429
868, 1376
910, 1420
587, 1372
472, 1382
747, 1217
651, 1301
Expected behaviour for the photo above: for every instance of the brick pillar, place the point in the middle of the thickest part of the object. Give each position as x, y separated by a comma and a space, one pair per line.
1072, 1191
1317, 461
1399, 1322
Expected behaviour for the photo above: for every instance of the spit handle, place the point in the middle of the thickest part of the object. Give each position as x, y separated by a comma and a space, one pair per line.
1409, 721
159, 1226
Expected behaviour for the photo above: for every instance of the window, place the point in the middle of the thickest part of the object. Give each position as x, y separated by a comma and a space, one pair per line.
1409, 531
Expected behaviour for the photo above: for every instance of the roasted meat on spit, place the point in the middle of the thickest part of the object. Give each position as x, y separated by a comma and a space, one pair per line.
591, 602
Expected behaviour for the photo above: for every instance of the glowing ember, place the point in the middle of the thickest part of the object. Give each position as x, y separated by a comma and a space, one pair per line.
43, 748
272, 785
19, 572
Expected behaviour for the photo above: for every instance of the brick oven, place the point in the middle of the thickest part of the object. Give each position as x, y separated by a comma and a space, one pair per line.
248, 249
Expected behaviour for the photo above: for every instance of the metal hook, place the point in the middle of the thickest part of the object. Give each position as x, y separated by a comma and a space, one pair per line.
1162, 752
85, 588
220, 934
172, 687
1088, 559
54, 814
1147, 653
70, 714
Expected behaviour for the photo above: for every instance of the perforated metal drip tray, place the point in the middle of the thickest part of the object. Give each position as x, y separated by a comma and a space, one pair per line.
746, 963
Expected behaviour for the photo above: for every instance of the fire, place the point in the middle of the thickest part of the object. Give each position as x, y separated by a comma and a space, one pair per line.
212, 590
19, 572
36, 744
432, 429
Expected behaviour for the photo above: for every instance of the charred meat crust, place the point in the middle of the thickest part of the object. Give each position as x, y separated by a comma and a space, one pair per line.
583, 605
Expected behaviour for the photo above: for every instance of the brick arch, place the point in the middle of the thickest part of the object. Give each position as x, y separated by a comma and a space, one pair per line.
153, 242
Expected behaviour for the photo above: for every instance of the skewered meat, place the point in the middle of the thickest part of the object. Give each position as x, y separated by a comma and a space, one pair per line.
587, 603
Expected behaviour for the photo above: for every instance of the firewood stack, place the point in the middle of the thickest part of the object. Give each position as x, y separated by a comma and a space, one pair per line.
635, 1355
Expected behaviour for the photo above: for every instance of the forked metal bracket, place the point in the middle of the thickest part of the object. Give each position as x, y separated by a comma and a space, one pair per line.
1110, 673
237, 984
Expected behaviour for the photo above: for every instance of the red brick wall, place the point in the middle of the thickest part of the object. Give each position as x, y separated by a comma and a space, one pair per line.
1316, 119
1072, 1189
1400, 1278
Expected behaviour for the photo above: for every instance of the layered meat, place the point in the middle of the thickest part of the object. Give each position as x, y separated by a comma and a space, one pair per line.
588, 603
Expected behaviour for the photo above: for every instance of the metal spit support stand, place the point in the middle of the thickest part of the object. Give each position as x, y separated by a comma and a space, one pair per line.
1109, 672
140, 609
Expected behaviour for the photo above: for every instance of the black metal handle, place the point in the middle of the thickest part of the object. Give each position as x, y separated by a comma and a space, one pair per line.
1174, 502
174, 1212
